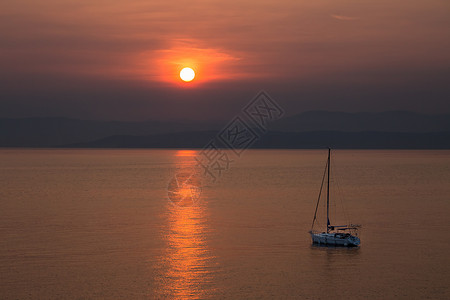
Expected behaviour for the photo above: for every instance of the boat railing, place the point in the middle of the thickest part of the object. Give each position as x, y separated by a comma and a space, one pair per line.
315, 232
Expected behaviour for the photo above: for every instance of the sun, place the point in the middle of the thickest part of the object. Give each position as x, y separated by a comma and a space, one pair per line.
187, 74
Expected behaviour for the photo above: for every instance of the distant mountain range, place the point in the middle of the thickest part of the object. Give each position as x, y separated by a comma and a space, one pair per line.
52, 132
314, 129
390, 121
284, 140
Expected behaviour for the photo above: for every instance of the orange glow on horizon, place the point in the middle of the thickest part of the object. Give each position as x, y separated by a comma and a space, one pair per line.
186, 153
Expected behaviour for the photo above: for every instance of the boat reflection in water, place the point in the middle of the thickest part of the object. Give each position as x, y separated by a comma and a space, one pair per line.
187, 263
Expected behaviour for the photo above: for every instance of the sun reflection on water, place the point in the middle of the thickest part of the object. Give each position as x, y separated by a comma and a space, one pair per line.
187, 264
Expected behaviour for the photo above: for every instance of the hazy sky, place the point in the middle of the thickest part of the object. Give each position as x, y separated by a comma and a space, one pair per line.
111, 59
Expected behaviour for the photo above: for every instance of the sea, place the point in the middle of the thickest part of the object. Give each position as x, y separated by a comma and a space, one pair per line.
134, 224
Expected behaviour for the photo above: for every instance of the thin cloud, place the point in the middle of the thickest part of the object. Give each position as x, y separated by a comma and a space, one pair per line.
344, 18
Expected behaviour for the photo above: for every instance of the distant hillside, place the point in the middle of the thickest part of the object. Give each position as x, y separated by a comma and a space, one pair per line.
49, 132
284, 140
383, 128
391, 121
196, 139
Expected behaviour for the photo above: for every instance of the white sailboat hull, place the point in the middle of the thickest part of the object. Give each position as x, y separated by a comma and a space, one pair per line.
335, 239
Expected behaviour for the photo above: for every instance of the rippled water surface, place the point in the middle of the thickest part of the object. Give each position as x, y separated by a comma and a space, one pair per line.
86, 224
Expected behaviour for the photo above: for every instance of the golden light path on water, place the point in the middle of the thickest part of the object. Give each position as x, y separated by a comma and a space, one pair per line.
186, 263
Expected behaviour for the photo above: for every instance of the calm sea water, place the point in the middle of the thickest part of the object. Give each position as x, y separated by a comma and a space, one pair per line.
86, 224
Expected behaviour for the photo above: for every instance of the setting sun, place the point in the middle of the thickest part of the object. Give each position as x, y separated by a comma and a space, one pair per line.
187, 74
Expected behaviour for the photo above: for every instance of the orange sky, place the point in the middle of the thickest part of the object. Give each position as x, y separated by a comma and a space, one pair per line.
280, 42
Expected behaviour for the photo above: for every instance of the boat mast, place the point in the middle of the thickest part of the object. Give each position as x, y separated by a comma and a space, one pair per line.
328, 192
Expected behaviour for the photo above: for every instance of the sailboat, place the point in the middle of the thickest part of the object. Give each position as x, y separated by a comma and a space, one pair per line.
335, 235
